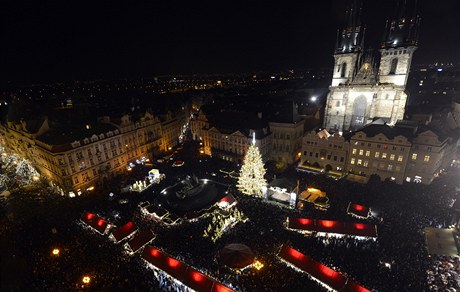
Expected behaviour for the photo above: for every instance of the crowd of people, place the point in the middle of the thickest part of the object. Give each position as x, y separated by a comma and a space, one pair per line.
397, 261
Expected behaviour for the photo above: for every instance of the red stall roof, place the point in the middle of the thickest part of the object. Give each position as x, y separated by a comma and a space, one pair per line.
358, 210
324, 274
141, 239
94, 221
124, 231
354, 287
181, 271
331, 226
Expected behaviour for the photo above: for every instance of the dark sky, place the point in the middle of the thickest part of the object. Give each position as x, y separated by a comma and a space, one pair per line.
65, 40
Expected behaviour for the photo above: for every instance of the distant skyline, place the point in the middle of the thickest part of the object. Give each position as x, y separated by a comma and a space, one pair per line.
43, 42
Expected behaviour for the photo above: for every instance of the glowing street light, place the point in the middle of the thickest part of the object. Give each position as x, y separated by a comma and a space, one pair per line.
313, 98
258, 265
56, 251
86, 279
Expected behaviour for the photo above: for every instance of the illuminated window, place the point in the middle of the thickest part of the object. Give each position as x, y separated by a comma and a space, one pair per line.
392, 157
354, 151
352, 161
390, 167
400, 158
426, 158
366, 163
384, 155
361, 152
360, 162
368, 153
414, 156
377, 154
398, 168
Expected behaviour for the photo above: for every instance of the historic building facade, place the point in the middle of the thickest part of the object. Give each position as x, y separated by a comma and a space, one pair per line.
363, 88
96, 152
401, 154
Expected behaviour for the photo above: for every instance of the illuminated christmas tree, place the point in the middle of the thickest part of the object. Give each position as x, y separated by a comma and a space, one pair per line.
251, 180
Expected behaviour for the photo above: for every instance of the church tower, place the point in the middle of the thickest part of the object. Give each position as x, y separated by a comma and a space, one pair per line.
365, 87
398, 45
349, 44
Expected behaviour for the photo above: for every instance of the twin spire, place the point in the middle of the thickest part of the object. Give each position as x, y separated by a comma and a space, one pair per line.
401, 31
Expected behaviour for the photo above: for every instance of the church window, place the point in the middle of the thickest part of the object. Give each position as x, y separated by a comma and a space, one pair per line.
394, 65
343, 70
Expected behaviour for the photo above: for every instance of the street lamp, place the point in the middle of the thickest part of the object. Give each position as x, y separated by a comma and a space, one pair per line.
313, 98
56, 251
86, 279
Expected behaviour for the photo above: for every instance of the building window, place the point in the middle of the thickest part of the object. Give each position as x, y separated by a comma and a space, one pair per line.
384, 155
368, 153
378, 146
366, 163
360, 162
377, 154
343, 70
352, 161
429, 149
426, 158
400, 158
398, 168
361, 152
305, 153
354, 151
390, 167
414, 156
392, 157
394, 65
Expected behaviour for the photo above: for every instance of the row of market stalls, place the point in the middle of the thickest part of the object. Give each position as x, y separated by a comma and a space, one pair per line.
332, 227
324, 275
235, 256
129, 233
181, 272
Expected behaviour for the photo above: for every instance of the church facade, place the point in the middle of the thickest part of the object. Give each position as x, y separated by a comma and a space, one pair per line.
365, 85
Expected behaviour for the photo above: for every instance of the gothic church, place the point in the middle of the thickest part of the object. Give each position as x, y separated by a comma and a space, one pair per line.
365, 88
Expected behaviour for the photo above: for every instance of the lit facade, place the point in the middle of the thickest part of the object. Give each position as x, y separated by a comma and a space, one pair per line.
361, 90
108, 148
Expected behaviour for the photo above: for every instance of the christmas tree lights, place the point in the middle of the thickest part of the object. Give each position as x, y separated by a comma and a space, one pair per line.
251, 179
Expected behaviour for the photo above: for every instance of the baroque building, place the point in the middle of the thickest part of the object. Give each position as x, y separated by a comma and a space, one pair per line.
87, 154
365, 88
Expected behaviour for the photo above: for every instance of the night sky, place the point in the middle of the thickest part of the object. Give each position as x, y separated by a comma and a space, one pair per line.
84, 40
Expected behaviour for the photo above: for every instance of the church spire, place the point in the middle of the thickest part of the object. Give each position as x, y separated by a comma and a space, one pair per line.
402, 31
350, 38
